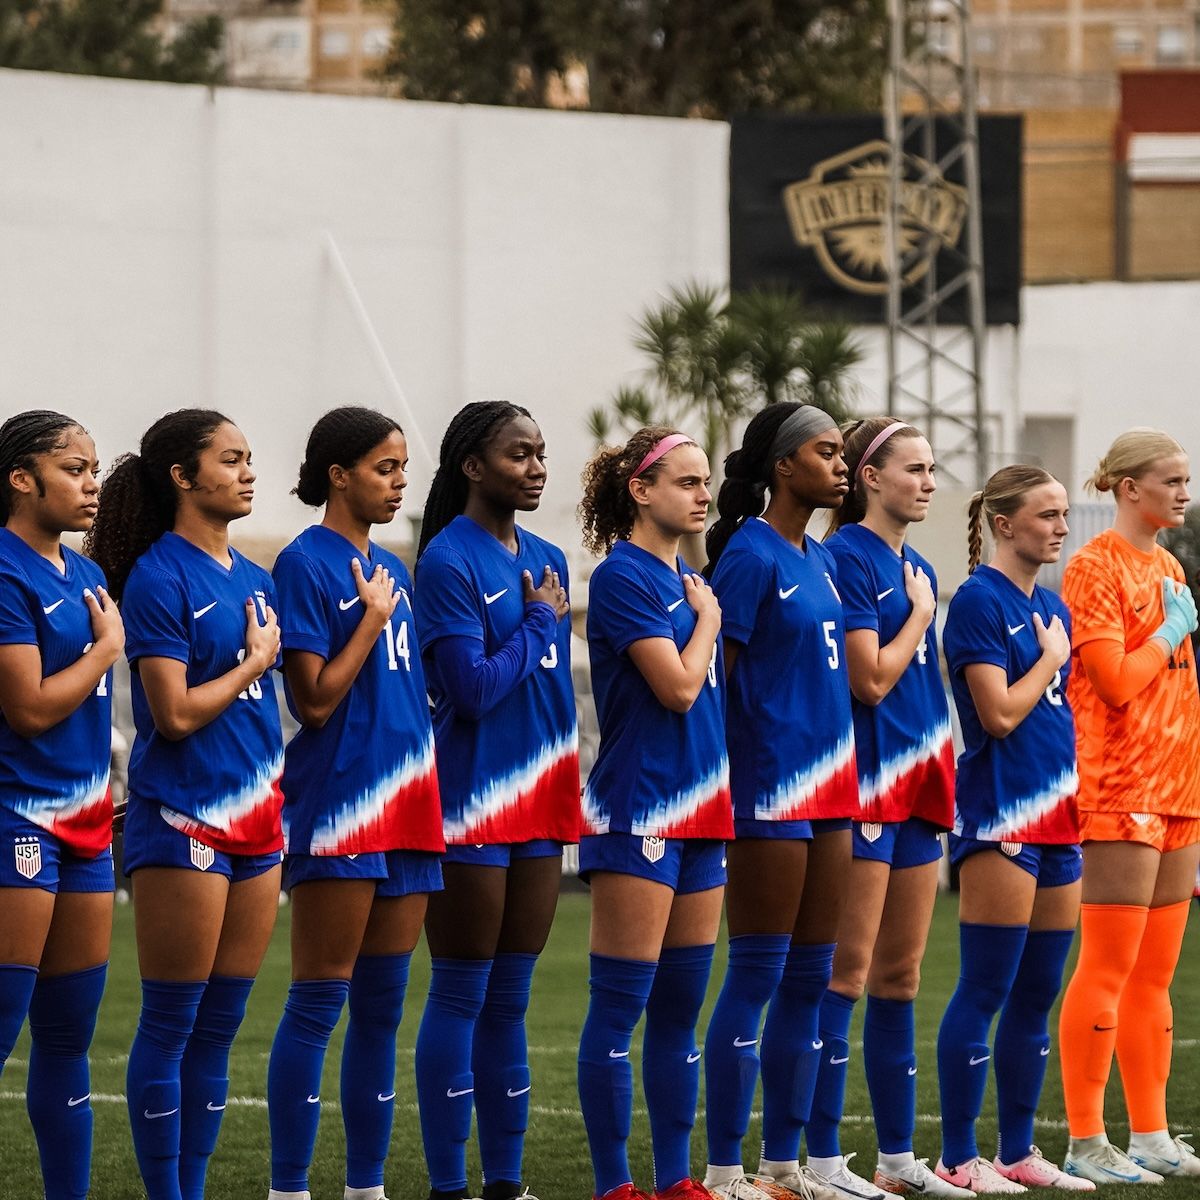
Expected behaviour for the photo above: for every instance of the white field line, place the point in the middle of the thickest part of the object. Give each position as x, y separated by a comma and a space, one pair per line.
539, 1110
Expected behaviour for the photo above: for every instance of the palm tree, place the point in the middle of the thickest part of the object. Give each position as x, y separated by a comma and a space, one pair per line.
716, 359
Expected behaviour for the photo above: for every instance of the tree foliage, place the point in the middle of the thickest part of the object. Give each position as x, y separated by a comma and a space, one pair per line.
706, 58
109, 37
714, 360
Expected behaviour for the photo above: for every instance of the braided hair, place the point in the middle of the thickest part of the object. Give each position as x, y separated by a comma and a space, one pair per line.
749, 472
857, 436
339, 439
607, 510
1002, 496
470, 431
138, 498
23, 440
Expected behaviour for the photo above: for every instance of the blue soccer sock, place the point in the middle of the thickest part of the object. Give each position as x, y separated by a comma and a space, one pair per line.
620, 988
377, 990
445, 1085
204, 1077
890, 1061
152, 1086
16, 989
792, 1050
1023, 1038
62, 1019
500, 1062
294, 1077
756, 964
671, 1060
989, 958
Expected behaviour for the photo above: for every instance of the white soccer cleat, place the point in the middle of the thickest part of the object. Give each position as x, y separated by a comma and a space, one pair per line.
1100, 1161
1164, 1155
803, 1181
844, 1181
1035, 1171
977, 1175
917, 1179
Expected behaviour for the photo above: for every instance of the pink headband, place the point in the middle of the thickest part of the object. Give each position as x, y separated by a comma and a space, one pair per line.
878, 440
661, 447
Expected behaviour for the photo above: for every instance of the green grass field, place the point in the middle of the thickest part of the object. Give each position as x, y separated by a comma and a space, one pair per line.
556, 1159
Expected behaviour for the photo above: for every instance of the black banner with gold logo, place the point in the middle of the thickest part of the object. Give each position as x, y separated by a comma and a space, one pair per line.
808, 196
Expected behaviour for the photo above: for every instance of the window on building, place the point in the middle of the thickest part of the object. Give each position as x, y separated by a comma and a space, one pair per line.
376, 42
1171, 45
335, 43
287, 42
985, 42
1128, 41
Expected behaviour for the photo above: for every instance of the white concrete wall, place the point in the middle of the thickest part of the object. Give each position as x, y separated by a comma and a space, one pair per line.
164, 246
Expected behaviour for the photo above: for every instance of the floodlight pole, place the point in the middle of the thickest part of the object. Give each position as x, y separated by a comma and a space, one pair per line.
935, 322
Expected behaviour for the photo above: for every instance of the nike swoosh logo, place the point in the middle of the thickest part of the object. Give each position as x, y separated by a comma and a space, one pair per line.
519, 1092
912, 1070
49, 608
314, 1099
1013, 630
345, 604
882, 596
384, 1099
976, 1061
1103, 1028
673, 607
783, 595
454, 1093
1138, 608
618, 1054
694, 1057
155, 1116
1119, 1174
837, 1062
199, 612
1045, 1051
215, 1107
494, 596
742, 1042
72, 1103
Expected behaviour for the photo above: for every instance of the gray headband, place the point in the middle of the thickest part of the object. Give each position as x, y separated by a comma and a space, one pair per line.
802, 426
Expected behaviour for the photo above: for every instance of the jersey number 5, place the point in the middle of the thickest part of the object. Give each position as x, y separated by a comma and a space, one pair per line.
829, 628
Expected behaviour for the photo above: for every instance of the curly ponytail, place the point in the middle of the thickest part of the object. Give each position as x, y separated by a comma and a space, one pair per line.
607, 510
138, 497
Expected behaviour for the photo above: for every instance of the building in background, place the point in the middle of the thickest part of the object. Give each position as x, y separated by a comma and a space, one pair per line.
306, 45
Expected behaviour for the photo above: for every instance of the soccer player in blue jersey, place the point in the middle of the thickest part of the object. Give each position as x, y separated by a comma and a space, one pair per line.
906, 798
202, 831
492, 611
1016, 832
791, 757
362, 822
59, 637
656, 804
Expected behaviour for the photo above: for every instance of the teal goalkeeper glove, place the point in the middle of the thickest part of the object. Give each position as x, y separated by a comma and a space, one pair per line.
1180, 611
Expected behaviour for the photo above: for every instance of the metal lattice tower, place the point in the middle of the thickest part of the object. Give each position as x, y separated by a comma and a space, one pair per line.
935, 316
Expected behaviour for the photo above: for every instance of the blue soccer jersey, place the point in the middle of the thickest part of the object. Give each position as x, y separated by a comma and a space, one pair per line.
1020, 788
789, 729
512, 775
365, 780
59, 779
904, 745
658, 772
220, 784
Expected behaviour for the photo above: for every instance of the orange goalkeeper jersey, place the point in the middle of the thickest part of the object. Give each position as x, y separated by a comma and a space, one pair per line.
1143, 757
